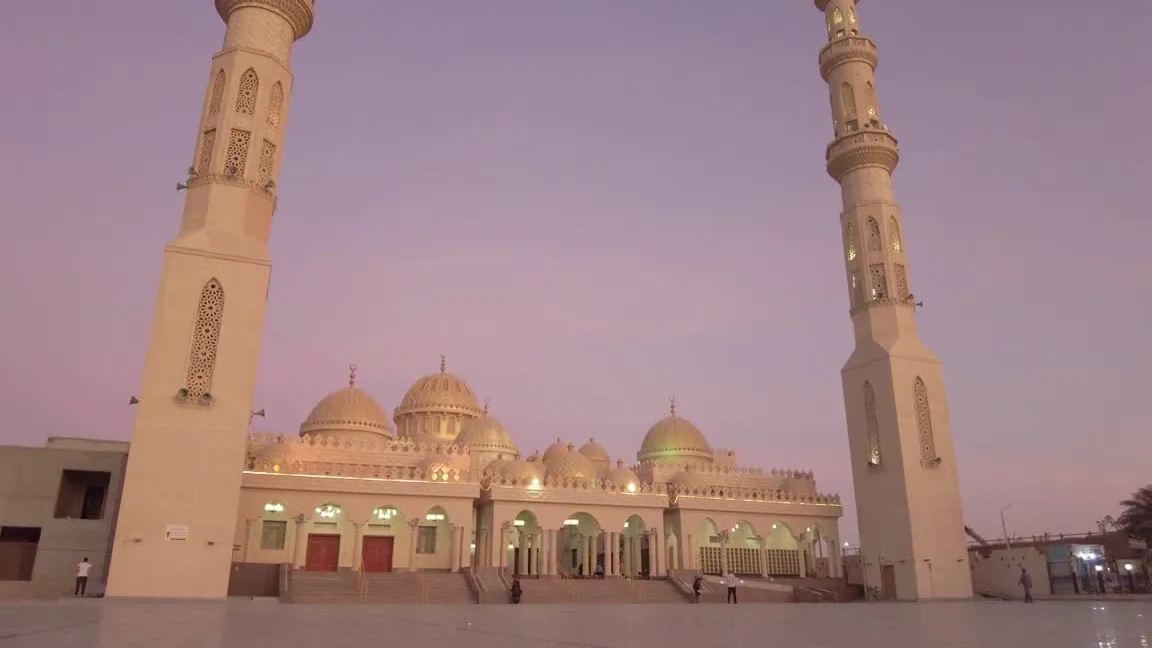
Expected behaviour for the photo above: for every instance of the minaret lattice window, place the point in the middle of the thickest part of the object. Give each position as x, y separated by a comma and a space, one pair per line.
894, 234
924, 424
855, 289
874, 241
204, 160
246, 97
267, 161
205, 339
879, 280
237, 155
848, 101
217, 96
872, 424
850, 241
275, 106
901, 281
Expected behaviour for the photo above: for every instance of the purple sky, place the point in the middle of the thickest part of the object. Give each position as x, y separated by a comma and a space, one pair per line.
590, 206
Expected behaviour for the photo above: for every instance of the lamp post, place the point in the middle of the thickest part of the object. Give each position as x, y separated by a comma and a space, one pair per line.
1004, 526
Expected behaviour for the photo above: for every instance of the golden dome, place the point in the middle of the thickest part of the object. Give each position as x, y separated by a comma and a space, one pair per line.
570, 465
514, 470
439, 392
279, 457
347, 410
554, 450
674, 438
622, 476
595, 452
487, 434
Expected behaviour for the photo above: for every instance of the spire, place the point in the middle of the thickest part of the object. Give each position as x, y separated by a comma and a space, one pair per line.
485, 403
352, 375
443, 362
672, 404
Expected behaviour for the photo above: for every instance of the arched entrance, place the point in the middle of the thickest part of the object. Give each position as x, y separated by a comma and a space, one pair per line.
635, 551
581, 548
783, 552
525, 545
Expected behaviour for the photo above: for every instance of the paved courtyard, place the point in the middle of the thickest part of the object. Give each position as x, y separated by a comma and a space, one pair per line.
244, 624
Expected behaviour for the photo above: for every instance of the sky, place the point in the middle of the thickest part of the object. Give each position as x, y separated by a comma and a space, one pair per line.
592, 206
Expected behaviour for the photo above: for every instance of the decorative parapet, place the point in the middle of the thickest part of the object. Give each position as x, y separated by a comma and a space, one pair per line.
864, 148
750, 494
847, 49
590, 485
332, 456
721, 470
405, 445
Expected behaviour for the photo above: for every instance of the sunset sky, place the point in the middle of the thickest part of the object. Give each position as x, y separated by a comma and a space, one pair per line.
593, 205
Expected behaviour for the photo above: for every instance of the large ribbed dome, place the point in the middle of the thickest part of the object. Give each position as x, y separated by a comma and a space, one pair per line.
440, 392
347, 410
555, 450
595, 452
622, 476
514, 470
674, 438
487, 434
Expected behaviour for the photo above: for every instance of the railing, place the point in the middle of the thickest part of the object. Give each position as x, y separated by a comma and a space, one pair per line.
362, 583
638, 593
573, 589
421, 587
564, 572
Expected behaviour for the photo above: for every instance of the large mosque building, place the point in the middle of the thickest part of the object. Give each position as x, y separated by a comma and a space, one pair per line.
441, 485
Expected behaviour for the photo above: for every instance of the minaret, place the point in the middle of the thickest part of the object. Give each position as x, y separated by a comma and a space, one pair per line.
903, 462
177, 521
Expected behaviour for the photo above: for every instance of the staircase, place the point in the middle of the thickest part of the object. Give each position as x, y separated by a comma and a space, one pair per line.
599, 592
389, 588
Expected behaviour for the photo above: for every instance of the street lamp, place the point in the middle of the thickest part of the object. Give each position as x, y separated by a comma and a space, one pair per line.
1004, 526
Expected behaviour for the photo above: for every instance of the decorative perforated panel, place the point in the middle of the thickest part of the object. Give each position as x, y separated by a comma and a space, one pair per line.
205, 339
901, 281
237, 155
246, 94
850, 241
879, 280
875, 243
217, 95
207, 143
872, 423
928, 454
275, 106
894, 234
267, 161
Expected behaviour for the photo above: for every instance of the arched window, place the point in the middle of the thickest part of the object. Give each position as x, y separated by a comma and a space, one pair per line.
204, 159
205, 339
879, 279
848, 101
246, 97
872, 425
851, 15
901, 281
835, 113
837, 16
275, 106
928, 454
850, 241
855, 289
874, 240
894, 234
217, 95
870, 98
267, 162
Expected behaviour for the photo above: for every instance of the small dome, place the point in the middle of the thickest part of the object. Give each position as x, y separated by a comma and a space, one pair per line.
673, 438
554, 450
347, 410
595, 452
280, 457
487, 434
439, 392
515, 470
570, 465
622, 476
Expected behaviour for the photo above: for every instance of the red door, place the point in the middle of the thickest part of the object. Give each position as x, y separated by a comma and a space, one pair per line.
323, 553
377, 554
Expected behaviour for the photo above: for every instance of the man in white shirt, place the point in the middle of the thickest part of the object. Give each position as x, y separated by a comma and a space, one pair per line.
82, 571
731, 581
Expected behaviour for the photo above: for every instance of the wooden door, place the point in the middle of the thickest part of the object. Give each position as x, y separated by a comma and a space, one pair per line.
323, 553
888, 582
377, 553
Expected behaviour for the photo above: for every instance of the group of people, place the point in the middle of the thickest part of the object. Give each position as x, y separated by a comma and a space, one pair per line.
730, 582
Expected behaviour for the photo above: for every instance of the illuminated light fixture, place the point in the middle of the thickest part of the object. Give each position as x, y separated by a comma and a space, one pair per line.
434, 517
328, 511
274, 507
517, 522
511, 546
631, 488
809, 528
473, 546
773, 526
625, 525
1099, 567
846, 544
571, 522
535, 482
1128, 567
385, 513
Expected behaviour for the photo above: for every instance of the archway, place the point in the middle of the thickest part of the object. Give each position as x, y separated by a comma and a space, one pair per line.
524, 545
433, 541
581, 549
821, 565
633, 554
782, 553
378, 541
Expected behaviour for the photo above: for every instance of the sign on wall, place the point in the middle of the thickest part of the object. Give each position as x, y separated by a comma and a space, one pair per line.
176, 532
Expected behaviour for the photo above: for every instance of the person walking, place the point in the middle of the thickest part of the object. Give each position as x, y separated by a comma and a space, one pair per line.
697, 585
82, 571
1026, 583
731, 581
517, 591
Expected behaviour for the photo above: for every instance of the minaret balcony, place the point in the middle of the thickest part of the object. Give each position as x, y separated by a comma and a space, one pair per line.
865, 148
298, 13
847, 49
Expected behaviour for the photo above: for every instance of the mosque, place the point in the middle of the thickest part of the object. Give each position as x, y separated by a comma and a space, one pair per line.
448, 488
441, 485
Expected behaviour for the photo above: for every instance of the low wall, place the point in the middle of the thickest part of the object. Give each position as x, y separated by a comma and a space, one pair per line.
996, 572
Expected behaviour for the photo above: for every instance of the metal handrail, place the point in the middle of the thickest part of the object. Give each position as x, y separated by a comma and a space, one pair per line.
362, 583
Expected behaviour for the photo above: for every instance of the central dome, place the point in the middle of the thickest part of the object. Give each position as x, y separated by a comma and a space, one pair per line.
440, 392
348, 410
672, 439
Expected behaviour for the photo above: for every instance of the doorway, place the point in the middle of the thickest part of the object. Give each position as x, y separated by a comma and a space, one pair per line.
18, 547
323, 553
377, 553
888, 582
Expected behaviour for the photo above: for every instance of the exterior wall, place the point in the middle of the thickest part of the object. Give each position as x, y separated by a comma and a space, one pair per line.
996, 572
29, 486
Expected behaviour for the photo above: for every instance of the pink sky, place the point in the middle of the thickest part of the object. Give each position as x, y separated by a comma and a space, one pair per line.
594, 206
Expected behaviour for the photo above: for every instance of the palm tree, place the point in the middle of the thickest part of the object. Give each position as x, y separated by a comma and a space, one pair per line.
1136, 518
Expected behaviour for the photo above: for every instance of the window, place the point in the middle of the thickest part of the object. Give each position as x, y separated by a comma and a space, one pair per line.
82, 494
928, 456
18, 547
273, 534
872, 424
217, 94
879, 281
848, 101
205, 337
894, 234
874, 240
850, 241
426, 540
246, 96
837, 16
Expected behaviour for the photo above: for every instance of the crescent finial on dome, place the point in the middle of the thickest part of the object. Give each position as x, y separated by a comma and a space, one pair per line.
443, 362
352, 375
672, 404
485, 404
